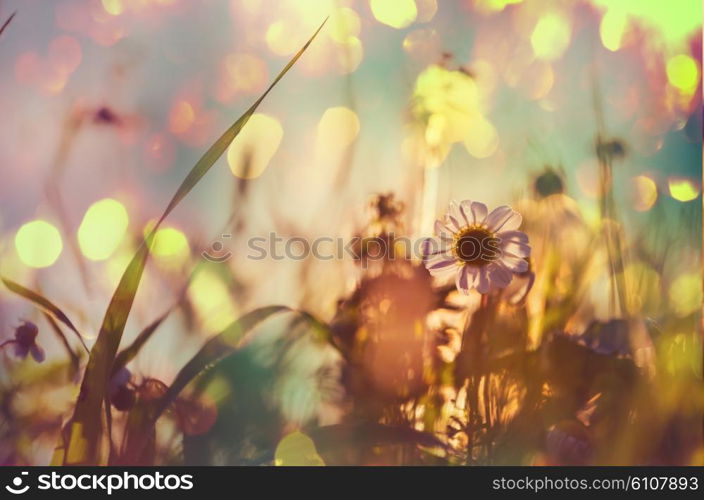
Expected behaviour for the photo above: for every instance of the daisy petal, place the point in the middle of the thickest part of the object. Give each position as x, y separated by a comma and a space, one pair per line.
483, 283
514, 222
454, 216
503, 218
514, 236
443, 272
440, 261
473, 273
514, 264
433, 246
443, 231
462, 280
515, 249
500, 276
474, 212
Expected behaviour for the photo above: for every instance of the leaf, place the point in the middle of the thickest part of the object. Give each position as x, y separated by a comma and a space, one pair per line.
129, 353
95, 380
214, 350
44, 304
7, 23
75, 361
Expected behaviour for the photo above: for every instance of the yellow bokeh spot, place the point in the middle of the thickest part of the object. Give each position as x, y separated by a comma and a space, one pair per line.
395, 13
550, 37
686, 294
297, 449
38, 243
337, 129
102, 229
683, 189
494, 5
113, 7
612, 27
285, 37
349, 55
645, 193
674, 21
170, 246
450, 94
344, 23
252, 150
683, 73
436, 130
481, 139
212, 301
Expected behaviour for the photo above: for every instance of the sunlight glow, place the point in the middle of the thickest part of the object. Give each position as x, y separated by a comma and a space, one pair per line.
683, 73
550, 37
297, 449
38, 243
395, 13
170, 246
212, 301
683, 189
252, 150
481, 140
102, 229
337, 129
645, 193
612, 27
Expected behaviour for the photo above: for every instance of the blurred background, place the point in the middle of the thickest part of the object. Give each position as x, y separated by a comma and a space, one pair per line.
107, 105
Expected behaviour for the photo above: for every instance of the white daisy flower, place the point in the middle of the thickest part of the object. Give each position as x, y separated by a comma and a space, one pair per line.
482, 250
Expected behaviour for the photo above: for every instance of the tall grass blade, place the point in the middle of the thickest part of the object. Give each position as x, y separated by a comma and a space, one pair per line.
214, 350
86, 432
129, 353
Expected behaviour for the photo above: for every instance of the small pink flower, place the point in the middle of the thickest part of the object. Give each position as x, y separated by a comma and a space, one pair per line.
481, 250
25, 342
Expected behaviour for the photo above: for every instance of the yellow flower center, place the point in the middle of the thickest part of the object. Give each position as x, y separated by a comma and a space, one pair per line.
476, 246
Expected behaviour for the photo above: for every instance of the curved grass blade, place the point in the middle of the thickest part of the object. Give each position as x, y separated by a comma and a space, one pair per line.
44, 304
75, 360
86, 418
214, 350
7, 23
223, 345
129, 353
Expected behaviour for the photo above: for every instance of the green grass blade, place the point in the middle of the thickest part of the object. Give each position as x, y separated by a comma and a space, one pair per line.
214, 350
75, 360
217, 149
86, 432
129, 353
